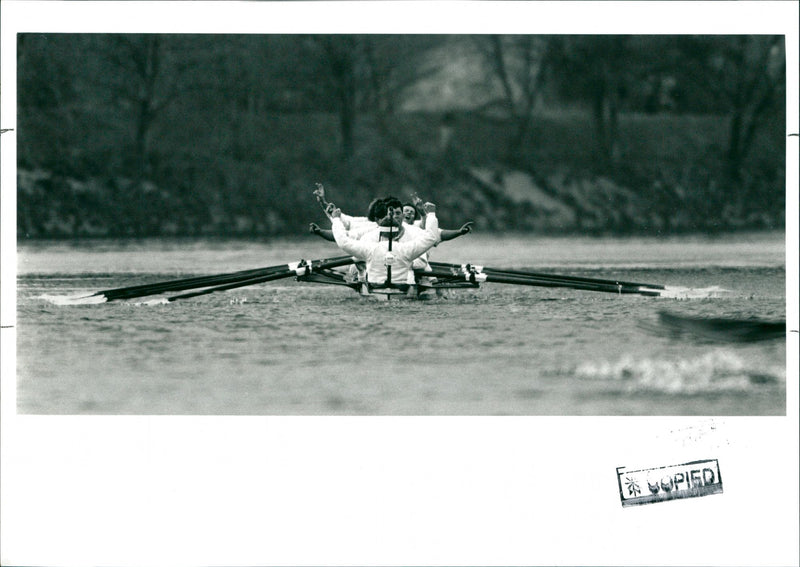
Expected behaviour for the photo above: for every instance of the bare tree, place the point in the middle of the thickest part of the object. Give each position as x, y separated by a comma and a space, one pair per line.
394, 65
353, 75
517, 65
748, 75
335, 63
742, 77
145, 76
49, 103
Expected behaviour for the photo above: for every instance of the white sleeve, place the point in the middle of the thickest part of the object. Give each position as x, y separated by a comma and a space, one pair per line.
371, 235
429, 237
351, 222
349, 245
360, 230
346, 220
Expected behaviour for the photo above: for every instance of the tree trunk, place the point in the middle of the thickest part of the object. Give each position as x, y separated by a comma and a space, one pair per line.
347, 117
600, 130
733, 157
605, 109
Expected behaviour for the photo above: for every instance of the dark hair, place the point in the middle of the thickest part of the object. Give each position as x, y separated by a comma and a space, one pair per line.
373, 213
377, 210
393, 202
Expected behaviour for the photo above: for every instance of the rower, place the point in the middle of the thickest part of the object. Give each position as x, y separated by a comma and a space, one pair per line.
412, 211
357, 224
357, 227
406, 232
379, 258
411, 215
361, 226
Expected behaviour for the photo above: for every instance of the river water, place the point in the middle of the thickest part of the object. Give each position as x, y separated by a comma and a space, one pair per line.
289, 348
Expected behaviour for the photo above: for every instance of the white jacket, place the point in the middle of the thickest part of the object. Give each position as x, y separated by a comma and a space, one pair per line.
376, 254
410, 233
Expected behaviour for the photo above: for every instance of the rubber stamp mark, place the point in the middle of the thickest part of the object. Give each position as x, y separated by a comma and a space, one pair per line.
687, 480
633, 487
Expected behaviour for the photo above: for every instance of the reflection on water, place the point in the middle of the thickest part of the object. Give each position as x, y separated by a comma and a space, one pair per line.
723, 329
294, 348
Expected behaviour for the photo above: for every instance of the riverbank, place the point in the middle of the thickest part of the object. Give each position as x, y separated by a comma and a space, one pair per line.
668, 179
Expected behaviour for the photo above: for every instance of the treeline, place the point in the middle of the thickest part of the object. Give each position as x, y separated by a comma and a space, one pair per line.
216, 134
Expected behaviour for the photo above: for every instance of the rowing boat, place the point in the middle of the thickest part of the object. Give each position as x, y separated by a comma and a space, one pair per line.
462, 276
339, 271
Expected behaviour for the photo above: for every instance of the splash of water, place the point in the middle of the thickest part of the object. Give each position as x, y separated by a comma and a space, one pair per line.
73, 299
677, 292
716, 371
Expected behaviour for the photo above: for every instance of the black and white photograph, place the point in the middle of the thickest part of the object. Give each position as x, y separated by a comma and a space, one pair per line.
419, 283
627, 192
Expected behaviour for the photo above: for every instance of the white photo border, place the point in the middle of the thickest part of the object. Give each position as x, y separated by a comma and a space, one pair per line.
170, 490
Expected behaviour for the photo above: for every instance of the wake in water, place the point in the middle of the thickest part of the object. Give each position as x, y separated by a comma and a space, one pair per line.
67, 300
671, 292
677, 292
74, 299
717, 371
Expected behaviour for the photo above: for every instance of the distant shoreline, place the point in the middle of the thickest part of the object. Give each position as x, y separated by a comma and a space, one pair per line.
765, 234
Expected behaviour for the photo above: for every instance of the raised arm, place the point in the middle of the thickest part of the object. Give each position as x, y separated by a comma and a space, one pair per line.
345, 242
451, 234
420, 206
429, 237
313, 228
319, 193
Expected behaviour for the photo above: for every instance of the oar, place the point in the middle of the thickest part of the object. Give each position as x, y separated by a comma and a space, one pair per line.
181, 284
389, 257
297, 269
478, 277
540, 275
194, 282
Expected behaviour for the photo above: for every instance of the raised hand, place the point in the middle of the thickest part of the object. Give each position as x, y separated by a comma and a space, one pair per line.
466, 227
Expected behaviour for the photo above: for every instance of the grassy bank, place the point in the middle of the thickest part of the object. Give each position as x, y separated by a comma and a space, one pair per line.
254, 176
